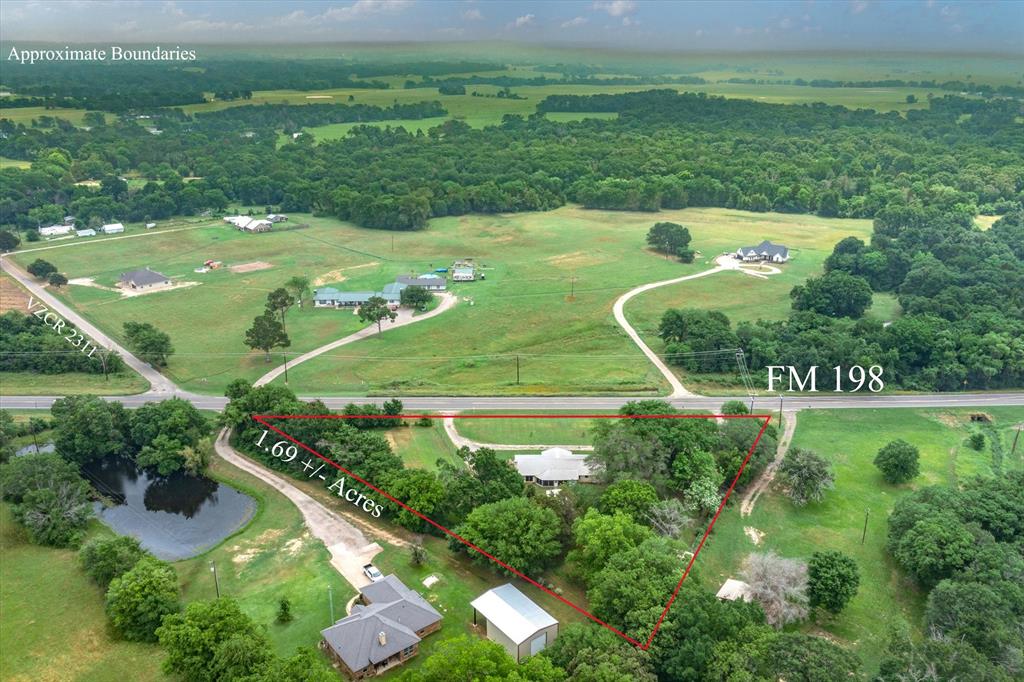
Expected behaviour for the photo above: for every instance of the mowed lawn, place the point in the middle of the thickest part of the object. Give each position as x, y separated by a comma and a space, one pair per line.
517, 429
850, 439
52, 620
522, 310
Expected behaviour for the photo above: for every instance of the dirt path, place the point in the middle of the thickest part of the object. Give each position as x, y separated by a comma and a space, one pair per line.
724, 263
346, 543
461, 441
766, 477
405, 317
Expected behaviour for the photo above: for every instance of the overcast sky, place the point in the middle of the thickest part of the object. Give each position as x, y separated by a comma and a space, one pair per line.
932, 25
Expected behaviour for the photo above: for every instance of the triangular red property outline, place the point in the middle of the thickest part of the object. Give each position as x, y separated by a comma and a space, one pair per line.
262, 419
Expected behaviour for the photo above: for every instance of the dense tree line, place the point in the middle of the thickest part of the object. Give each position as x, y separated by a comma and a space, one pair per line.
966, 548
29, 345
671, 150
129, 86
982, 89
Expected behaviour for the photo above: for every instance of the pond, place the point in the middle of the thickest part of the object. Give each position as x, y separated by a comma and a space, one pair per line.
174, 517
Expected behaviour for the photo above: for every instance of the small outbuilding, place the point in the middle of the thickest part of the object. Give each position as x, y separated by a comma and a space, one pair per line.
86, 233
463, 274
112, 228
144, 279
732, 590
515, 622
56, 230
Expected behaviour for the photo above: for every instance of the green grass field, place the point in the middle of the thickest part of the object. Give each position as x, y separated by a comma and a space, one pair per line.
563, 431
421, 447
530, 260
52, 621
850, 439
27, 383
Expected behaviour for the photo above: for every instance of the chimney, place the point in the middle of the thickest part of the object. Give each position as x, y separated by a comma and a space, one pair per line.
382, 638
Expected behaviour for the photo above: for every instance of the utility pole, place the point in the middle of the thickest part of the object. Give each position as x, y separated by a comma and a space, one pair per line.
216, 581
864, 534
285, 356
330, 598
1016, 437
517, 370
572, 287
780, 410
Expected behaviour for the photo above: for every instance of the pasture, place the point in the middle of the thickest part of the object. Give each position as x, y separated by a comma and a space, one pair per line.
850, 439
522, 310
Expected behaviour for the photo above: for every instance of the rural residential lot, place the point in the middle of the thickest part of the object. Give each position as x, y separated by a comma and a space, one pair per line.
526, 341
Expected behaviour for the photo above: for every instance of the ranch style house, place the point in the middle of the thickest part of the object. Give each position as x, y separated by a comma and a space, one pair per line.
765, 251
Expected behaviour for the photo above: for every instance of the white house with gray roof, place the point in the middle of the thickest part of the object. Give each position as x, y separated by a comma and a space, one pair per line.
765, 251
514, 621
381, 632
555, 467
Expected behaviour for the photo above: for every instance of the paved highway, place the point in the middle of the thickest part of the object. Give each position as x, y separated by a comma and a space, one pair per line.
763, 405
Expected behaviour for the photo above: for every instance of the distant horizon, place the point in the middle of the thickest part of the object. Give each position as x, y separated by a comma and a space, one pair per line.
851, 52
643, 26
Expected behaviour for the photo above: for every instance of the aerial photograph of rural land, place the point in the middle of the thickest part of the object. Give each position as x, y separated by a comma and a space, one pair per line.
512, 340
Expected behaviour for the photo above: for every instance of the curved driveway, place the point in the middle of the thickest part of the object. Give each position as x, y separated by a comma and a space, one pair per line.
724, 263
405, 317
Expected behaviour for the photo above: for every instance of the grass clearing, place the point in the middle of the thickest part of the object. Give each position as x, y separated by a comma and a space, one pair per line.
520, 309
528, 431
30, 383
420, 447
850, 439
52, 620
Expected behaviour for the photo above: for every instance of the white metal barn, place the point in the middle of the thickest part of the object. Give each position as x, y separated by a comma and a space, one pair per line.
515, 622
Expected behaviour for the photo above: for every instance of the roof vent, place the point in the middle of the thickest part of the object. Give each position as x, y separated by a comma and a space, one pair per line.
382, 638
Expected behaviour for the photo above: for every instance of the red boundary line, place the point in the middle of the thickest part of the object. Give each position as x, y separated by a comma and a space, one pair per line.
262, 419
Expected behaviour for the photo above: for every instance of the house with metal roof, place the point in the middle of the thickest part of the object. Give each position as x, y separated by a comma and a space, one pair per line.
514, 621
113, 228
765, 251
429, 281
329, 297
383, 631
144, 279
555, 467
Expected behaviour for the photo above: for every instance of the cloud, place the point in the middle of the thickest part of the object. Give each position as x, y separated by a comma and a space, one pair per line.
171, 7
628, 21
524, 20
615, 8
575, 21
699, 32
472, 14
786, 22
743, 30
363, 8
858, 6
